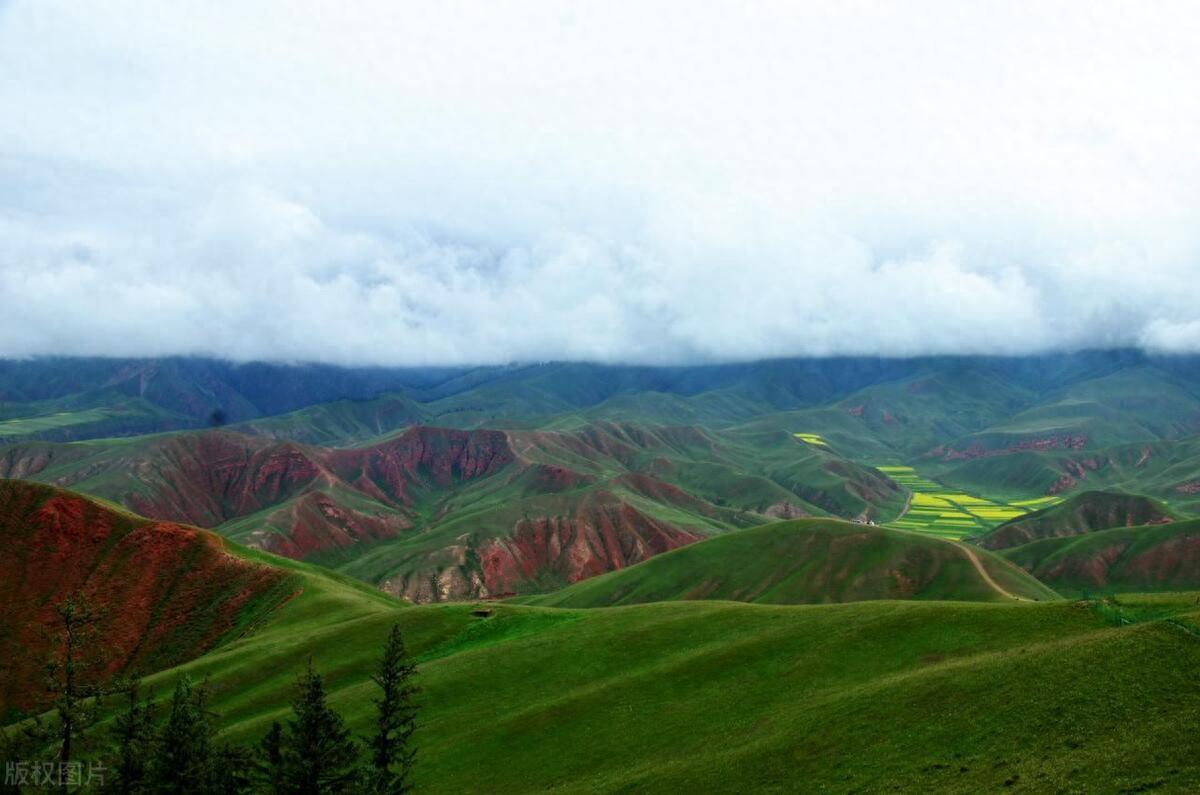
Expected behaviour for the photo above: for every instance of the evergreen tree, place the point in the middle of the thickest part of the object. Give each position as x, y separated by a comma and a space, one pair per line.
182, 762
133, 735
392, 752
72, 670
319, 756
269, 767
231, 772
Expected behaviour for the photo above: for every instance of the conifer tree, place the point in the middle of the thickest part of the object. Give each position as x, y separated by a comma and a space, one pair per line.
319, 756
392, 751
71, 672
133, 737
182, 762
269, 766
231, 770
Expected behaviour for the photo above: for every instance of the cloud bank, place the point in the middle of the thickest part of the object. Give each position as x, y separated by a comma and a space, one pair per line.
444, 183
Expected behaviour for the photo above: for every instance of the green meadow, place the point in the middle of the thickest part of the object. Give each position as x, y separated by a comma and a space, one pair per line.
727, 697
29, 426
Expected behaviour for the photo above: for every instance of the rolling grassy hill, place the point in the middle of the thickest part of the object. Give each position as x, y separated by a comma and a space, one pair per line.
1134, 404
1082, 513
914, 696
909, 695
1164, 557
1166, 470
807, 561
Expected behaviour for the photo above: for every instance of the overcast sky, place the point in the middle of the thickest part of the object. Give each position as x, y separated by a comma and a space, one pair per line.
435, 182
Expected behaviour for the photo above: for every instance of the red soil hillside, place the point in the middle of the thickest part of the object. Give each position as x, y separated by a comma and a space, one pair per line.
166, 593
433, 513
603, 534
665, 493
593, 533
209, 478
315, 523
421, 459
300, 491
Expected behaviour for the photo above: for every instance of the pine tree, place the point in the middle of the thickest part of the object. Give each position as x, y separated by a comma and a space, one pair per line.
72, 671
392, 752
319, 756
231, 771
269, 766
182, 762
133, 735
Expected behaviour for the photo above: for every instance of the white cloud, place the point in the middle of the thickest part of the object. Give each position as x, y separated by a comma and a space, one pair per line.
442, 182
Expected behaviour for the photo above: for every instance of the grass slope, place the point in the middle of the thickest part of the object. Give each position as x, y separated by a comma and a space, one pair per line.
912, 696
1165, 470
1162, 557
1132, 405
1082, 513
805, 561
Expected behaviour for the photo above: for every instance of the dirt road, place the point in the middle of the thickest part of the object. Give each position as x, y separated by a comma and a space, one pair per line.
971, 556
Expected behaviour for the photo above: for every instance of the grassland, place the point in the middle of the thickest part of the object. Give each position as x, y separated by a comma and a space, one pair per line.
805, 561
719, 696
1162, 557
938, 510
724, 697
132, 416
1081, 513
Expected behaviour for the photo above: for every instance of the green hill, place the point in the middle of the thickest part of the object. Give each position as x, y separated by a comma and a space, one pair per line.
340, 423
1166, 470
808, 561
1081, 513
1162, 557
915, 696
726, 697
1132, 405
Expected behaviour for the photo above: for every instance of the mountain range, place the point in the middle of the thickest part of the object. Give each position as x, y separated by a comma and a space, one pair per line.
590, 561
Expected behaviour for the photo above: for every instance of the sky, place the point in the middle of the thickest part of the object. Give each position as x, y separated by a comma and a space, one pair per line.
663, 182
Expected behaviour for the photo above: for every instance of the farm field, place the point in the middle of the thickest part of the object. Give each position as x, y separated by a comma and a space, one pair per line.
812, 438
945, 512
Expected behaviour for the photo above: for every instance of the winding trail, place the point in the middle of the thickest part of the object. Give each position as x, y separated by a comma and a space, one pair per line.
971, 556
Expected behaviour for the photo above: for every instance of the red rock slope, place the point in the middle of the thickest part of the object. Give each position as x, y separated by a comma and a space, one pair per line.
165, 593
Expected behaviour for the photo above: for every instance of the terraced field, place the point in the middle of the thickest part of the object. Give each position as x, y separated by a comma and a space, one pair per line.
941, 511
